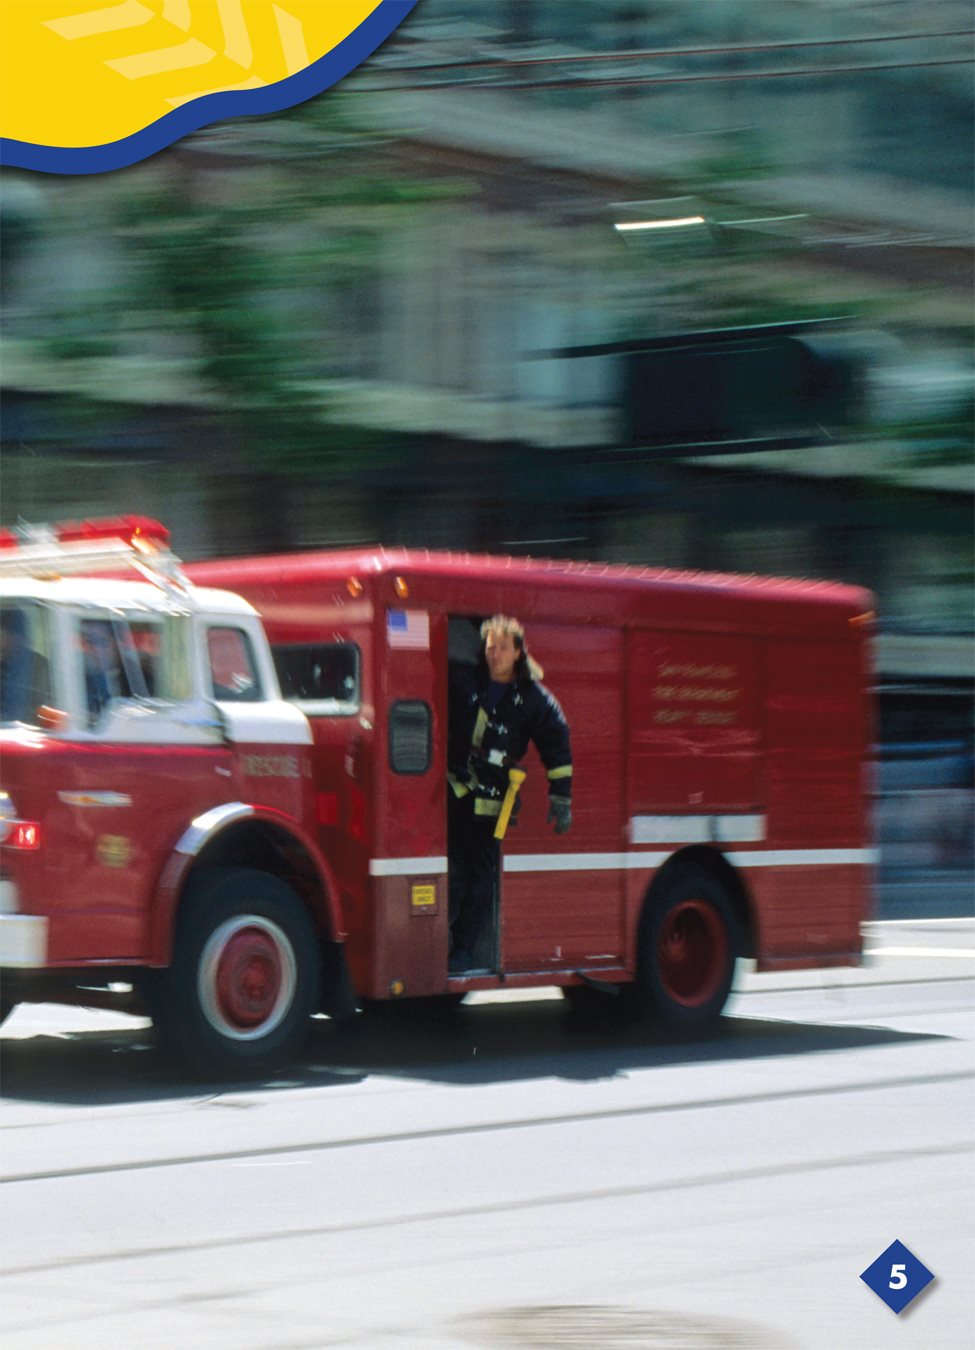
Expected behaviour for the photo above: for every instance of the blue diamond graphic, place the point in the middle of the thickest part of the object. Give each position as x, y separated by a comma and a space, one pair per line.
897, 1276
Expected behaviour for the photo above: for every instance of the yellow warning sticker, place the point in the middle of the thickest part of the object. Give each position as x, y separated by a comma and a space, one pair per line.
423, 897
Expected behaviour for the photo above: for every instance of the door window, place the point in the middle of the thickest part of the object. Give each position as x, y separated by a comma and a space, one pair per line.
140, 657
112, 665
410, 736
320, 677
233, 670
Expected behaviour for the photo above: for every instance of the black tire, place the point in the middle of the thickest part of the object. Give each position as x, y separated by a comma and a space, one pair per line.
687, 948
244, 982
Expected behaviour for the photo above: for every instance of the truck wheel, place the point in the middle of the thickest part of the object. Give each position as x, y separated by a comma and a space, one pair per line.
688, 940
243, 984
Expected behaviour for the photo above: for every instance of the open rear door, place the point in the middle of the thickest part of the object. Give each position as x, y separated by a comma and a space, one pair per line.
409, 868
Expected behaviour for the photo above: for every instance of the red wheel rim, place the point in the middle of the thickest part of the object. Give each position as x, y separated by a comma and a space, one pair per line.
247, 977
692, 953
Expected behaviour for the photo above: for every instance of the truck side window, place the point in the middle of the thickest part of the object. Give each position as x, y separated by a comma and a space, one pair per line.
321, 677
233, 671
410, 736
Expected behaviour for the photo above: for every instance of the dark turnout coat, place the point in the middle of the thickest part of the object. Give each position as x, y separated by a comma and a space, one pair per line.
483, 744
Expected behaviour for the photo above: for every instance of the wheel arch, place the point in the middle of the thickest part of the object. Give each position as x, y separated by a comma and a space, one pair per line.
714, 862
237, 834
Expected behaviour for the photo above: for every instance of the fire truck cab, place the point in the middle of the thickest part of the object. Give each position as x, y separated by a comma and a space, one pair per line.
156, 802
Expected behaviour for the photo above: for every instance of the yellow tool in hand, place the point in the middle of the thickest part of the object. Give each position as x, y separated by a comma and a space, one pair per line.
515, 779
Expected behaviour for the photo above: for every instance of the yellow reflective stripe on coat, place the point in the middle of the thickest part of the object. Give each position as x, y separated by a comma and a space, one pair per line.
480, 726
563, 771
458, 788
487, 806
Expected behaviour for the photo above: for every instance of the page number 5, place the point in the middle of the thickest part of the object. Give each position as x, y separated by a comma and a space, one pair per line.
897, 1277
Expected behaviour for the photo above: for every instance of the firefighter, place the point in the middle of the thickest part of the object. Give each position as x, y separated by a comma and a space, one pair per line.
496, 707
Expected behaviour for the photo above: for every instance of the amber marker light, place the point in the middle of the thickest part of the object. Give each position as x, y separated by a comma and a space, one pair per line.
52, 719
858, 620
401, 588
353, 585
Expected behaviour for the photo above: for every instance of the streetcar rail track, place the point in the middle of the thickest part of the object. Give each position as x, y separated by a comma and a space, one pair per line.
486, 1210
484, 1127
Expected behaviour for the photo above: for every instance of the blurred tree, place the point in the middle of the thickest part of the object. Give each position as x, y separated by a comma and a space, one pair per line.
242, 242
21, 208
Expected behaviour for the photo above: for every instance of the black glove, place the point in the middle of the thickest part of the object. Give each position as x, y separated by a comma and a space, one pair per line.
560, 814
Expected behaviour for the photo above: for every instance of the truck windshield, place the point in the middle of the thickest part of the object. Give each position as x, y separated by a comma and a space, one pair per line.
25, 662
321, 677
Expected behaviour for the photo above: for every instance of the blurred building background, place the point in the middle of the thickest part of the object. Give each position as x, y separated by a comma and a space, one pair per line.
404, 313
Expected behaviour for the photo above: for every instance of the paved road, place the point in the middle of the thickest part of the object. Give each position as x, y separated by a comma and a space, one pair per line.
509, 1177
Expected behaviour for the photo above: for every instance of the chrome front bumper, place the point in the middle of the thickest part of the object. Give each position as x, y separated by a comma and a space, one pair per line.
23, 941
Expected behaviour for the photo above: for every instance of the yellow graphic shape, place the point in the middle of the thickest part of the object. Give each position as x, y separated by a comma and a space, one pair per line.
76, 73
114, 850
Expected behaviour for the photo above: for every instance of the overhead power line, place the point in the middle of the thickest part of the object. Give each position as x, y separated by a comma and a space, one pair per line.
654, 54
634, 81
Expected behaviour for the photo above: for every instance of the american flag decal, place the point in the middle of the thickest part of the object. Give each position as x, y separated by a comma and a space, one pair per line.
408, 628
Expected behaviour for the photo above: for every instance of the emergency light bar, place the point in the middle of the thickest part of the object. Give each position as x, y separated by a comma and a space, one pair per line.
77, 548
126, 528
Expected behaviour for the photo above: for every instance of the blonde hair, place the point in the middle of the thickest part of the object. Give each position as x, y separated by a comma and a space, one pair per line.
505, 626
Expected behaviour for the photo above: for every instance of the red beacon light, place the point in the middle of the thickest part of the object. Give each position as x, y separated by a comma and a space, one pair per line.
130, 529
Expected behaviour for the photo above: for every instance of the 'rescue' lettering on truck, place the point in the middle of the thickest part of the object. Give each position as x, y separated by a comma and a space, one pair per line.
253, 858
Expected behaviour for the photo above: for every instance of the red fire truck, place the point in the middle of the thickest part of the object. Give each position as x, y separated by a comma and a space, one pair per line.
246, 833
